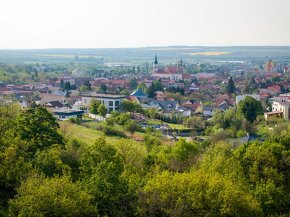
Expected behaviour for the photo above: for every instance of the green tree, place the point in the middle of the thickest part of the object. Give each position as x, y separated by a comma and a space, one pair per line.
230, 88
101, 170
39, 128
50, 163
58, 196
195, 123
143, 87
195, 194
127, 106
67, 86
155, 86
94, 106
131, 126
267, 168
133, 84
87, 84
250, 108
102, 110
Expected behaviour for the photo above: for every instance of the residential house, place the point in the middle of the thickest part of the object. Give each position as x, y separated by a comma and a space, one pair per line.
224, 102
274, 89
46, 97
139, 94
194, 106
54, 105
170, 108
79, 105
280, 108
207, 111
67, 114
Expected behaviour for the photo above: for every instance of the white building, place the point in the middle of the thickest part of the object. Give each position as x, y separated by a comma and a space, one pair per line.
111, 102
281, 105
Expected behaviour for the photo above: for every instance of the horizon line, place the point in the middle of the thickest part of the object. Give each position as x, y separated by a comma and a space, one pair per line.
140, 47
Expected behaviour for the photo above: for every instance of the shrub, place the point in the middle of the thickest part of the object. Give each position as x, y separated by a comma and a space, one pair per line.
111, 131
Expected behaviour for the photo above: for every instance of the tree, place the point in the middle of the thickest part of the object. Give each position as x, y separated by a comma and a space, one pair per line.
87, 84
183, 155
143, 87
195, 123
267, 167
94, 106
131, 126
133, 84
230, 88
196, 194
128, 106
101, 170
49, 162
83, 88
39, 128
57, 196
67, 86
155, 86
250, 108
102, 110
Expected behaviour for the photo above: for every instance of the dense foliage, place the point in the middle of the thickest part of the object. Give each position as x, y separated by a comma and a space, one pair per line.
43, 173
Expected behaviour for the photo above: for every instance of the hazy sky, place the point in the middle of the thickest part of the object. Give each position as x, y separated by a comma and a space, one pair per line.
138, 23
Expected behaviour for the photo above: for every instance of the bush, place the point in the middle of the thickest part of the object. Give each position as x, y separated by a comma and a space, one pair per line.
241, 133
78, 121
123, 118
111, 131
72, 120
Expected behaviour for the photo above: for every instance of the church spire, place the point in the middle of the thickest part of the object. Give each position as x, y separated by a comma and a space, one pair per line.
156, 60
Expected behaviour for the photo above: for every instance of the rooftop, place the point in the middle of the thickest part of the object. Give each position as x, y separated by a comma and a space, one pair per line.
102, 95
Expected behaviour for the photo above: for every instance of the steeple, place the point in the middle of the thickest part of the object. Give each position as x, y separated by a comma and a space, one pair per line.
155, 61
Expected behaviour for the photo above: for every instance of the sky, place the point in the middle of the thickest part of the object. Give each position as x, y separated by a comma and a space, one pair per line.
140, 23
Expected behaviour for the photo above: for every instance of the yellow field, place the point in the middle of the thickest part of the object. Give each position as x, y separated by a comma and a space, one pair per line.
209, 53
172, 48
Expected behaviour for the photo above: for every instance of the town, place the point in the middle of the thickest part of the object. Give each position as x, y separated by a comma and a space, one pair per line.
168, 108
178, 99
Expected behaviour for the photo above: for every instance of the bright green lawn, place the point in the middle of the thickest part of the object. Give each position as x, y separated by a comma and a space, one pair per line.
84, 134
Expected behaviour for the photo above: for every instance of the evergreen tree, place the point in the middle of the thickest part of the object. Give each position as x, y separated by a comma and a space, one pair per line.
67, 86
133, 84
231, 86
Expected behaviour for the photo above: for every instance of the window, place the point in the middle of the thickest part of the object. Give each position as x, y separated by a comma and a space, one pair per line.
111, 103
117, 103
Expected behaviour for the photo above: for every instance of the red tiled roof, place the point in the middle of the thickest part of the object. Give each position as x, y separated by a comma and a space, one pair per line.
132, 98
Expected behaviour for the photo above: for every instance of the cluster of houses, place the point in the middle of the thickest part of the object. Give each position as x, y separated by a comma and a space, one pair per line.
203, 91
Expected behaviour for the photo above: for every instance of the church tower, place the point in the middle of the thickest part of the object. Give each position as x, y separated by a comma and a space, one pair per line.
155, 64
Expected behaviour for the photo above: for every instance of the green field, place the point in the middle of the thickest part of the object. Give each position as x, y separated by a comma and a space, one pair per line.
82, 133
